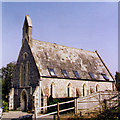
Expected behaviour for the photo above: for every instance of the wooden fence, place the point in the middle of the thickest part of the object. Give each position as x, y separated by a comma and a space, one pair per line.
56, 112
97, 102
94, 102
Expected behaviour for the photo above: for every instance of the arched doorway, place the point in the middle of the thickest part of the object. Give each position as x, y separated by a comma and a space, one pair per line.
24, 101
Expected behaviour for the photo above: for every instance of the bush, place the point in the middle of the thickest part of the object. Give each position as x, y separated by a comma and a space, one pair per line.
5, 106
109, 114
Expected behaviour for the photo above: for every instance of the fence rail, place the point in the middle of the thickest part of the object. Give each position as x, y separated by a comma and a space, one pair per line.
67, 109
97, 94
47, 106
52, 113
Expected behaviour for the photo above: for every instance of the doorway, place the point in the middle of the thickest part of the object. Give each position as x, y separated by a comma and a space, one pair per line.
24, 101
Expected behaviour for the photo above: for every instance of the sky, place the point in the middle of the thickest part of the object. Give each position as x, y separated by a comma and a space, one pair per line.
86, 25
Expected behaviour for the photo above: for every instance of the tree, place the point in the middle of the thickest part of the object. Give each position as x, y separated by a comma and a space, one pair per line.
0, 90
6, 75
117, 78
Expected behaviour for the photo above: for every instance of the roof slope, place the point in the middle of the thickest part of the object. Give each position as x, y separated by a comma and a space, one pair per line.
48, 55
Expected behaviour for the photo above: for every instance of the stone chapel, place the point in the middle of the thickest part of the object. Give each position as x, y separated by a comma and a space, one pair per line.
45, 70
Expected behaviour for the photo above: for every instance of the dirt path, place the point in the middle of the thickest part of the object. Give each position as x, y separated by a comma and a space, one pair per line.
13, 114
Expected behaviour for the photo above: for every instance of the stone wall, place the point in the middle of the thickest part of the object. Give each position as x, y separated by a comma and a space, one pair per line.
33, 76
61, 87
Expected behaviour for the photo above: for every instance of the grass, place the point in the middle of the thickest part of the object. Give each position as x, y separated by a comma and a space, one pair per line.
106, 115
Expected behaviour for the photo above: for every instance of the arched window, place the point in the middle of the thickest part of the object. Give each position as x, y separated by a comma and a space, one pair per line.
52, 90
27, 73
25, 55
97, 88
21, 80
84, 90
42, 101
69, 90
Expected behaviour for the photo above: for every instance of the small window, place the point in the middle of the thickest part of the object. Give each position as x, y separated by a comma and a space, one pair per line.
52, 72
105, 77
65, 73
91, 75
76, 74
25, 55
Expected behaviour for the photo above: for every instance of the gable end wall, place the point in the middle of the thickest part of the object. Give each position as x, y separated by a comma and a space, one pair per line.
33, 76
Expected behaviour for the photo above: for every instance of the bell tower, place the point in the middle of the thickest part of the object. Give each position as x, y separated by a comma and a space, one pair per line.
27, 30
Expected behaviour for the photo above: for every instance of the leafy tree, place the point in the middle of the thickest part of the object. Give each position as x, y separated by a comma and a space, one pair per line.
117, 78
0, 91
6, 75
117, 75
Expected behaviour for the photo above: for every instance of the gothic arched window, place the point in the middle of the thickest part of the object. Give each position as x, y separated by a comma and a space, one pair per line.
52, 90
97, 88
21, 80
84, 90
25, 55
27, 73
69, 90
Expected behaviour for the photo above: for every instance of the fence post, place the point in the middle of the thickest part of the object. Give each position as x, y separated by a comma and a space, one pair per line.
54, 117
35, 113
105, 103
58, 115
99, 102
75, 105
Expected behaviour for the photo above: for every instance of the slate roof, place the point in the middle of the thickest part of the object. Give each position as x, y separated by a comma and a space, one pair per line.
49, 55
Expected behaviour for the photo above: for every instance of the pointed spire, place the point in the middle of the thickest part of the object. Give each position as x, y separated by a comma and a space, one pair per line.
27, 30
27, 17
